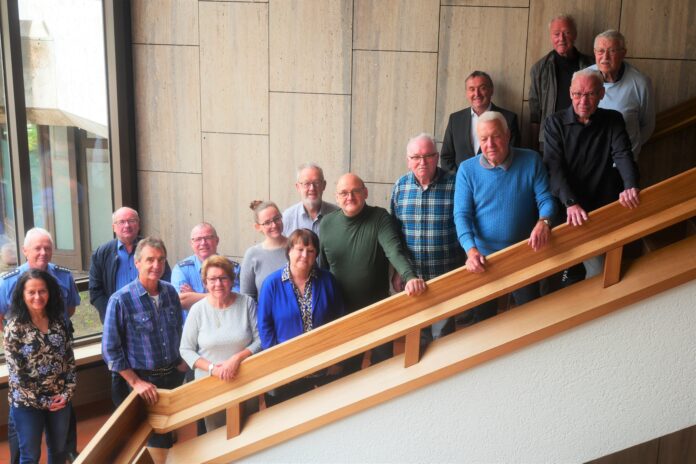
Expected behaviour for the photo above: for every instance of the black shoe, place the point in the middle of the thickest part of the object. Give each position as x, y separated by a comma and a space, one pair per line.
72, 456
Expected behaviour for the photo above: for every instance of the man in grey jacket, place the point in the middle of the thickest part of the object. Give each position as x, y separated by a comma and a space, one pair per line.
550, 76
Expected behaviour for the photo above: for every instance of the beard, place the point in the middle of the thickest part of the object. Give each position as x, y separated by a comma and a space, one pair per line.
311, 204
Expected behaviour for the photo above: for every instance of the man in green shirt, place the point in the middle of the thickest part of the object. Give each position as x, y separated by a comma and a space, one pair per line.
357, 244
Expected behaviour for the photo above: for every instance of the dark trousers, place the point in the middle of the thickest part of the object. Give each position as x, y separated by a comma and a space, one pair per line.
120, 390
490, 308
296, 388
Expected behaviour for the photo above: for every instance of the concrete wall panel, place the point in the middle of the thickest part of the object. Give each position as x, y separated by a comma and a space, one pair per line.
307, 127
234, 63
393, 100
310, 45
170, 205
167, 108
235, 173
404, 25
173, 22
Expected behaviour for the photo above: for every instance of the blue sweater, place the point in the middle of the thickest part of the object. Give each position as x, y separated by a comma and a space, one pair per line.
497, 207
278, 313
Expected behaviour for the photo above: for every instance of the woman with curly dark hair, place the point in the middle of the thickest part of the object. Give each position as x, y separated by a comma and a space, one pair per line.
41, 365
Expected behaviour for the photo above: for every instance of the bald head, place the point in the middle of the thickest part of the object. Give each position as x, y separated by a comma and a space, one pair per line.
351, 194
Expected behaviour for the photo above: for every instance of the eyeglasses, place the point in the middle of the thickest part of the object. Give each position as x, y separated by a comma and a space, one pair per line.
417, 158
608, 51
207, 238
580, 95
123, 222
317, 184
221, 279
274, 220
355, 192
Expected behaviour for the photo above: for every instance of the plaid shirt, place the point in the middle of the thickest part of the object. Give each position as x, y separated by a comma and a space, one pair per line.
136, 334
426, 220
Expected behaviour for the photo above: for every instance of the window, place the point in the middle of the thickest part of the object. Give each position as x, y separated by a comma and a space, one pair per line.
67, 136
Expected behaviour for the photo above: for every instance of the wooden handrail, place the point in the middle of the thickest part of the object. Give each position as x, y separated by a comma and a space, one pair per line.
677, 118
608, 228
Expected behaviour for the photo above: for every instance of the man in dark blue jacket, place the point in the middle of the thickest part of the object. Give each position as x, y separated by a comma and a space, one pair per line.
112, 263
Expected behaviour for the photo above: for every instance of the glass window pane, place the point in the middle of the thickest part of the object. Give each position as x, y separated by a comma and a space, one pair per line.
8, 237
67, 115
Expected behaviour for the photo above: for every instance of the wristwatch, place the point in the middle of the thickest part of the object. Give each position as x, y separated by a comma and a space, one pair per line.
570, 202
211, 366
546, 221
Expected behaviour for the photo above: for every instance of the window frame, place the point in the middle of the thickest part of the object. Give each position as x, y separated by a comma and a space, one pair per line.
116, 16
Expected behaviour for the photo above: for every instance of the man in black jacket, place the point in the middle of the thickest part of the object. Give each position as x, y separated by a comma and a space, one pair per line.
112, 263
461, 141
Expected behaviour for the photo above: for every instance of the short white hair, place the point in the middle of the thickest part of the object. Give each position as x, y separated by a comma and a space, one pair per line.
591, 73
489, 116
421, 136
35, 233
310, 165
566, 18
611, 34
124, 208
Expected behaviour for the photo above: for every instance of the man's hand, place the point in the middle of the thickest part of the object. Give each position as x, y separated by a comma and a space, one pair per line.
415, 287
540, 236
576, 215
475, 261
146, 390
629, 198
185, 288
397, 282
58, 402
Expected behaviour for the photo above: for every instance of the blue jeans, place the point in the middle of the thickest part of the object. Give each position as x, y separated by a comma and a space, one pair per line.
29, 424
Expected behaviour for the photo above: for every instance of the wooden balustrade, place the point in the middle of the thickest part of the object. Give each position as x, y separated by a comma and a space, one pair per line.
607, 230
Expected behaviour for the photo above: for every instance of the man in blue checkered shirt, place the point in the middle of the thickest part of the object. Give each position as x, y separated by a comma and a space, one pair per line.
422, 203
142, 333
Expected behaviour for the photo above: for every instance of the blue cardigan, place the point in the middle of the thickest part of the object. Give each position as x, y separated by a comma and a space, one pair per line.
278, 313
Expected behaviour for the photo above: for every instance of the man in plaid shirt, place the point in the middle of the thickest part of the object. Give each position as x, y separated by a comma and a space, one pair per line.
422, 203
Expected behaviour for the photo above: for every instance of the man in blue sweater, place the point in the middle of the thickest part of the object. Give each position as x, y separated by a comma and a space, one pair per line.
501, 197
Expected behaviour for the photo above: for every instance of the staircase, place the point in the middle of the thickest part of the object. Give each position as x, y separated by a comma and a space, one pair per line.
122, 438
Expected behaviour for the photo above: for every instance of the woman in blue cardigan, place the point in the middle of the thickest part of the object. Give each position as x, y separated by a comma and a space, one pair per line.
295, 299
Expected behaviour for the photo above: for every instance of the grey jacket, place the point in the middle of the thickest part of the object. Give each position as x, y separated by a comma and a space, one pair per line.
542, 88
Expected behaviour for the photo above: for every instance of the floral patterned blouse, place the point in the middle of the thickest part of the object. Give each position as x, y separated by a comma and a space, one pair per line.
40, 365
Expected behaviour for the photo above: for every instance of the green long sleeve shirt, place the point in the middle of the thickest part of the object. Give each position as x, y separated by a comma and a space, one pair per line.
357, 250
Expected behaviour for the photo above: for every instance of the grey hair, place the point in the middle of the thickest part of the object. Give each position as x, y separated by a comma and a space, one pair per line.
207, 225
611, 34
152, 242
567, 18
483, 74
591, 73
489, 116
124, 208
37, 232
422, 135
310, 165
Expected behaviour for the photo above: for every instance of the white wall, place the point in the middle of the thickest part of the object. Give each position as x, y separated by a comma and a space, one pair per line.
612, 383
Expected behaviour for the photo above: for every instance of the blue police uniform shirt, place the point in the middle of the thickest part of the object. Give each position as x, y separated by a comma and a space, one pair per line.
68, 289
126, 272
188, 271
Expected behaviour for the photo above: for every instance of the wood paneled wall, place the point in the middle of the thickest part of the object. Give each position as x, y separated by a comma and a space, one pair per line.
232, 95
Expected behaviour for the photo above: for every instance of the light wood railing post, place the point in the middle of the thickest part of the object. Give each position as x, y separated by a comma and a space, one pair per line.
612, 266
412, 348
235, 417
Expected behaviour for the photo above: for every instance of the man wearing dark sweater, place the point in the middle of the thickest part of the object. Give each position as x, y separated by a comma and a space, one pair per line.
588, 156
357, 244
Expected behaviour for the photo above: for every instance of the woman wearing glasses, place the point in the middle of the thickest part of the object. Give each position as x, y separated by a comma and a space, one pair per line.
220, 330
267, 256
